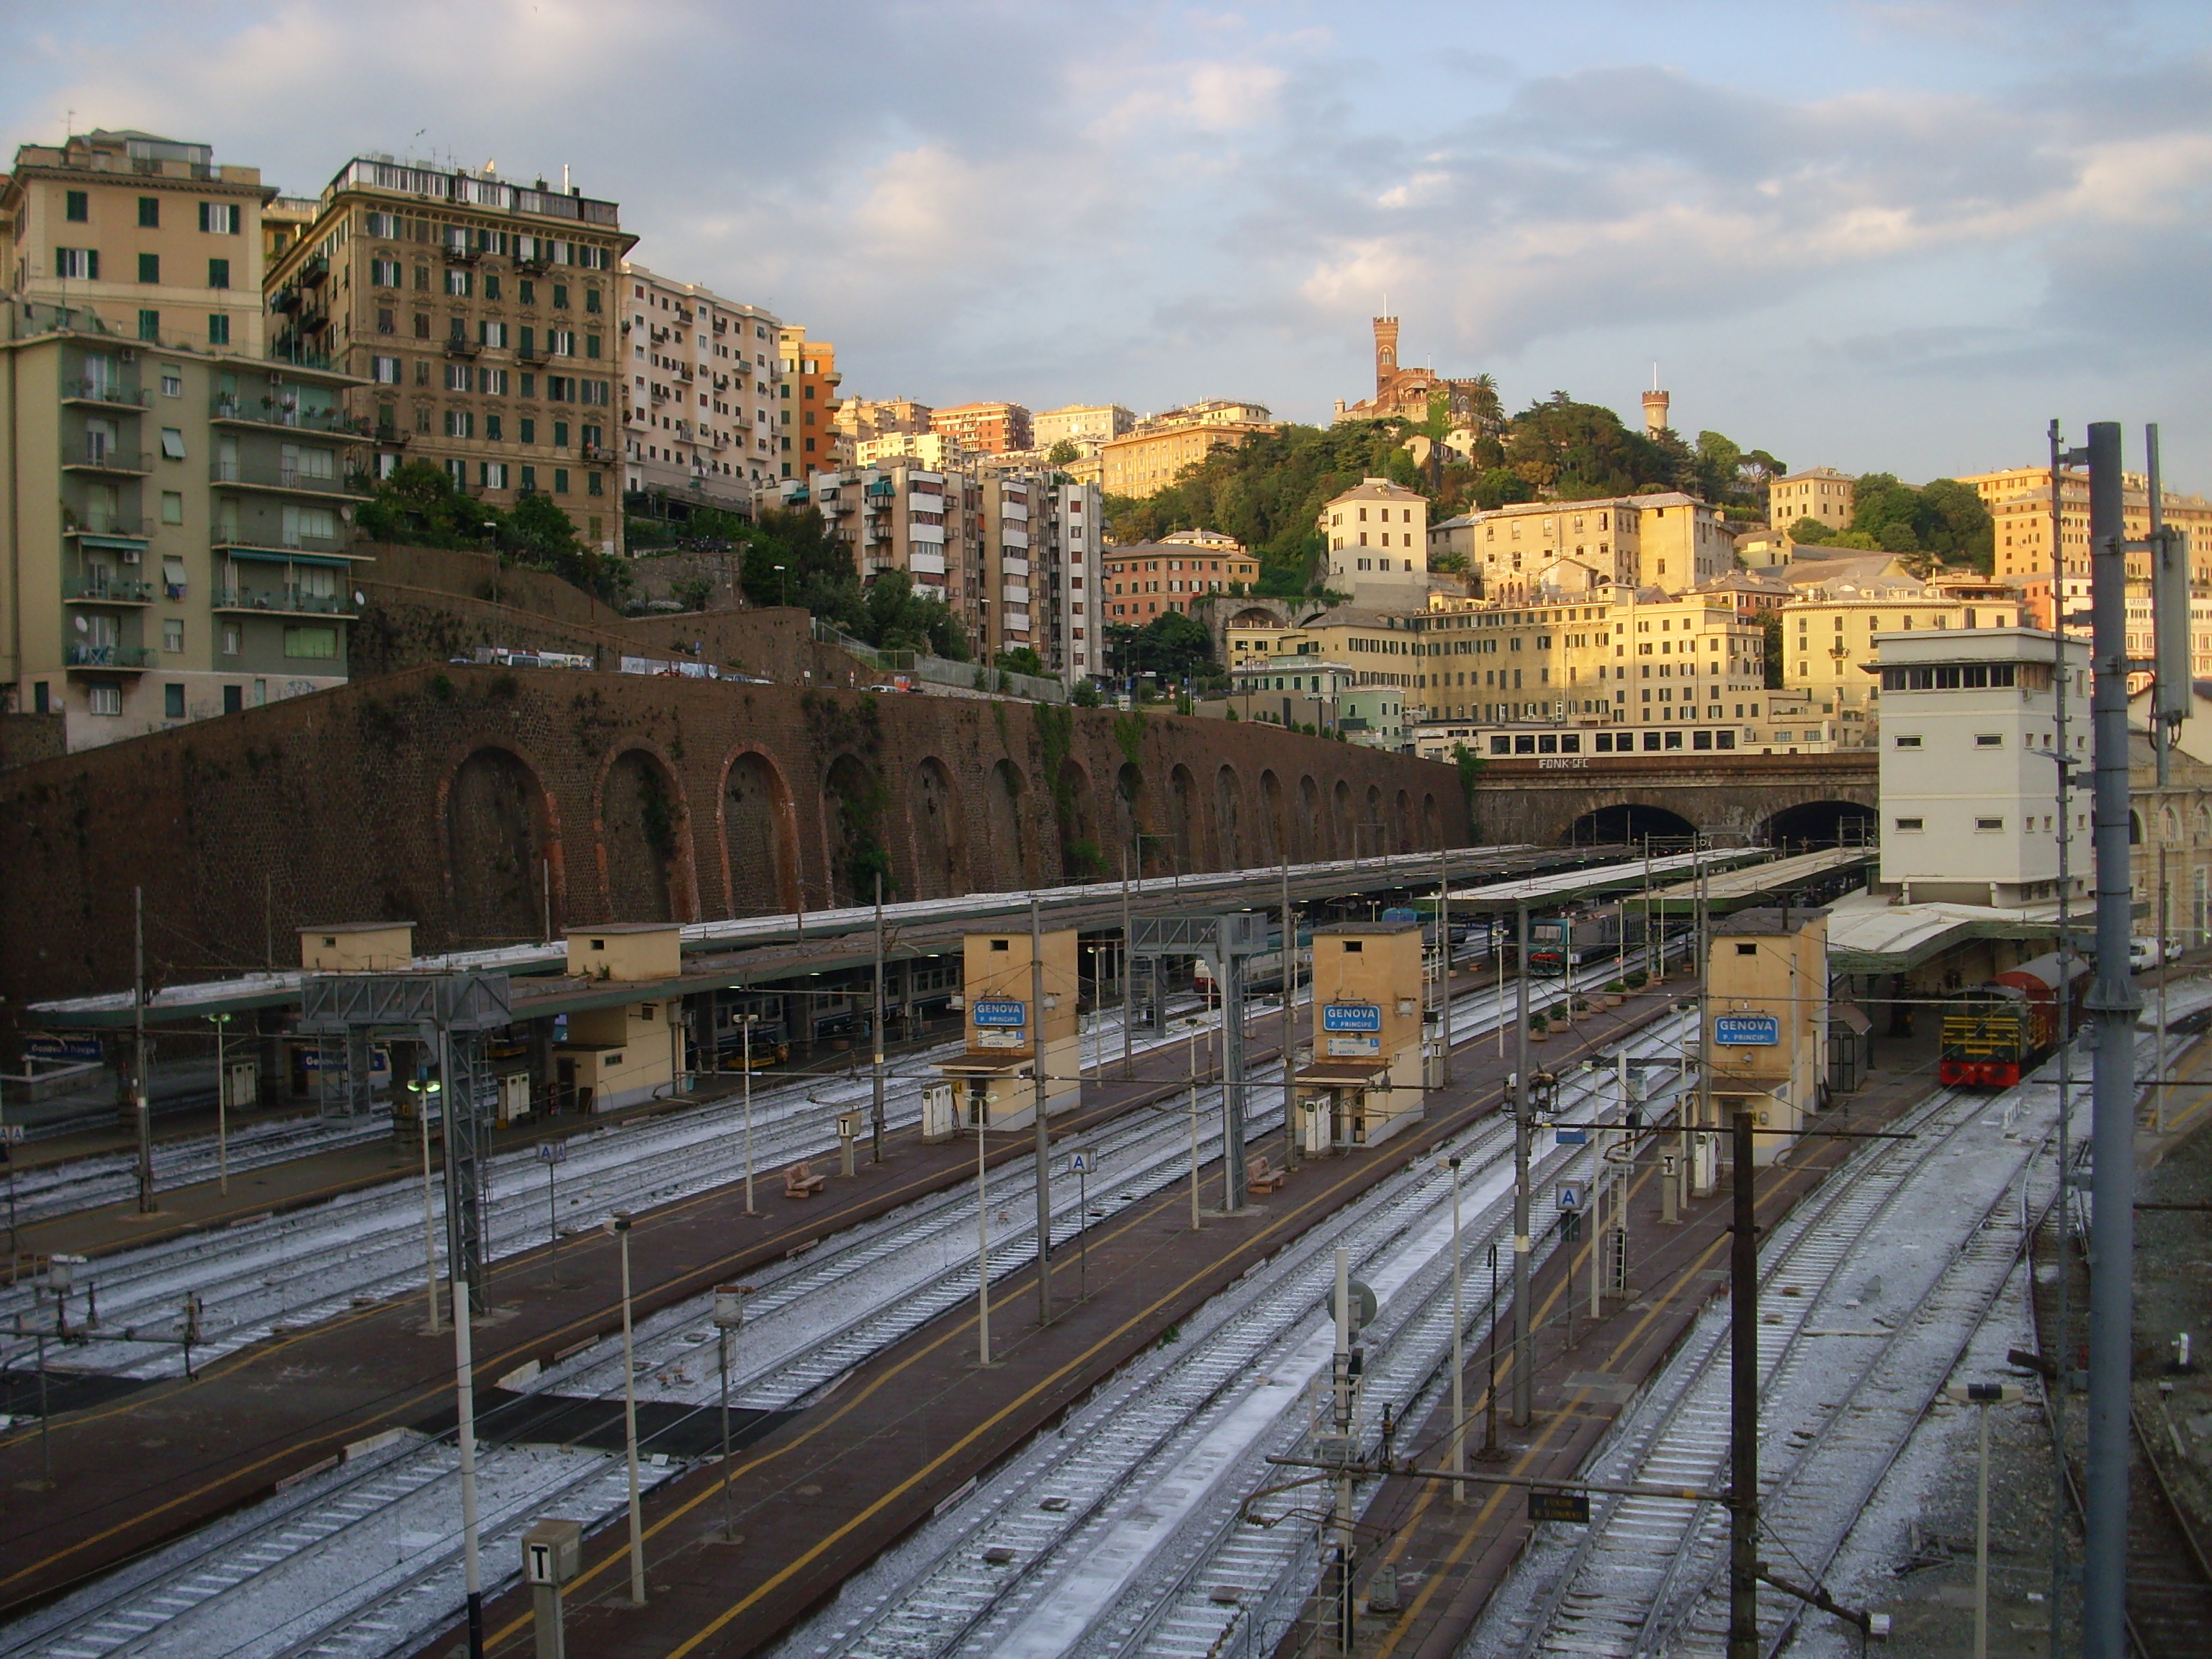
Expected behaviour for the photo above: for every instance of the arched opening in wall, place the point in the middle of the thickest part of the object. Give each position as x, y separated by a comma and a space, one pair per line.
2135, 828
1374, 829
1270, 836
1227, 819
935, 821
1401, 822
1004, 864
853, 810
1131, 837
1309, 836
642, 826
1186, 834
1630, 823
1817, 824
1080, 857
495, 851
757, 838
1432, 828
1255, 616
1343, 838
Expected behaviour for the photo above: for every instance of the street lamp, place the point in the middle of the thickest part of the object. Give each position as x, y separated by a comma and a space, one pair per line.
425, 1088
750, 1020
222, 1107
782, 585
729, 1317
618, 1223
1984, 1395
1459, 1346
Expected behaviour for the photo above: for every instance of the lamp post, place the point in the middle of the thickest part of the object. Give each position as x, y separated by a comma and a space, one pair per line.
729, 1318
750, 1020
222, 1107
1981, 1396
782, 587
424, 1088
464, 1436
618, 1223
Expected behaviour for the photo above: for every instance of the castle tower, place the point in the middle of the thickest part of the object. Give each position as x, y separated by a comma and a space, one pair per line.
1655, 411
1386, 352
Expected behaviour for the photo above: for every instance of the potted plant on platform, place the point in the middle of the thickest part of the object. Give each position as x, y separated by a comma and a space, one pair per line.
1614, 991
1540, 1029
1638, 979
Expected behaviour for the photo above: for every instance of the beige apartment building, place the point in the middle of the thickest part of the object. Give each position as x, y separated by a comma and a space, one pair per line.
1086, 425
939, 451
178, 527
860, 418
2018, 500
1820, 493
1629, 659
699, 391
1159, 449
1829, 638
1670, 541
807, 423
1378, 545
147, 235
479, 322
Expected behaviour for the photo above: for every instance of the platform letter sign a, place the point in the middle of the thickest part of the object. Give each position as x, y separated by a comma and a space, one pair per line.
1746, 1031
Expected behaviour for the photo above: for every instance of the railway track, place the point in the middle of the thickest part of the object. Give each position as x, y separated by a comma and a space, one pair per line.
1870, 1290
1119, 1533
251, 1588
2169, 1600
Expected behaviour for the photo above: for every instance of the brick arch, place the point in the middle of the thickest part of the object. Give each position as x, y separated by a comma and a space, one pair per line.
1310, 840
1401, 833
1081, 858
1007, 840
1228, 818
854, 810
642, 843
1432, 834
503, 871
757, 822
1273, 827
938, 854
1186, 820
1131, 825
1372, 839
1342, 839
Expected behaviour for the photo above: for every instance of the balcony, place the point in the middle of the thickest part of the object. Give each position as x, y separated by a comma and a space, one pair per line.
104, 394
133, 658
390, 436
598, 453
272, 544
534, 351
107, 590
285, 601
286, 480
115, 526
457, 254
104, 459
533, 264
314, 271
278, 411
459, 345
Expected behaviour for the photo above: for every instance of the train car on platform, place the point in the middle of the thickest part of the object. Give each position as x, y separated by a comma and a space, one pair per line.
1995, 1033
1557, 944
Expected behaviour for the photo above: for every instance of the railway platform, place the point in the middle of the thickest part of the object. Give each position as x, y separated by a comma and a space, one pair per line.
1449, 1558
822, 1494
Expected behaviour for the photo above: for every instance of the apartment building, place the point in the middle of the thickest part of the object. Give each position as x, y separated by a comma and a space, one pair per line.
985, 428
1629, 659
1044, 576
861, 419
699, 391
1086, 425
2018, 500
177, 527
939, 451
1378, 545
1670, 541
1378, 648
1158, 450
147, 235
807, 416
479, 321
1820, 493
1145, 580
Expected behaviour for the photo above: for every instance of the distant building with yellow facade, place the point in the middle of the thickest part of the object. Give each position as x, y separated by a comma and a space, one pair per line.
1820, 493
1666, 540
2018, 502
1162, 446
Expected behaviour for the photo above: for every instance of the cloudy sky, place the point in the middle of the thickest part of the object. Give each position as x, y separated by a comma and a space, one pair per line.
1872, 235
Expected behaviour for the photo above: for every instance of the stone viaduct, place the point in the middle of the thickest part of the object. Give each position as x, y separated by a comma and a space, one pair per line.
1552, 799
491, 805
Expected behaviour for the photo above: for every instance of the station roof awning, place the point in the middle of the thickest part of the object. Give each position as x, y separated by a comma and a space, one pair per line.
1736, 889
1341, 1074
1562, 886
1875, 937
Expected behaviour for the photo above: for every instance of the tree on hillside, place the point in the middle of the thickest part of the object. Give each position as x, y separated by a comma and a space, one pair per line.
1945, 519
1062, 452
419, 504
1578, 451
1172, 646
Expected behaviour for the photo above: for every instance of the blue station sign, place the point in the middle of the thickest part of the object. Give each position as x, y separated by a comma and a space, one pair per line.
999, 1011
1351, 1016
1746, 1031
